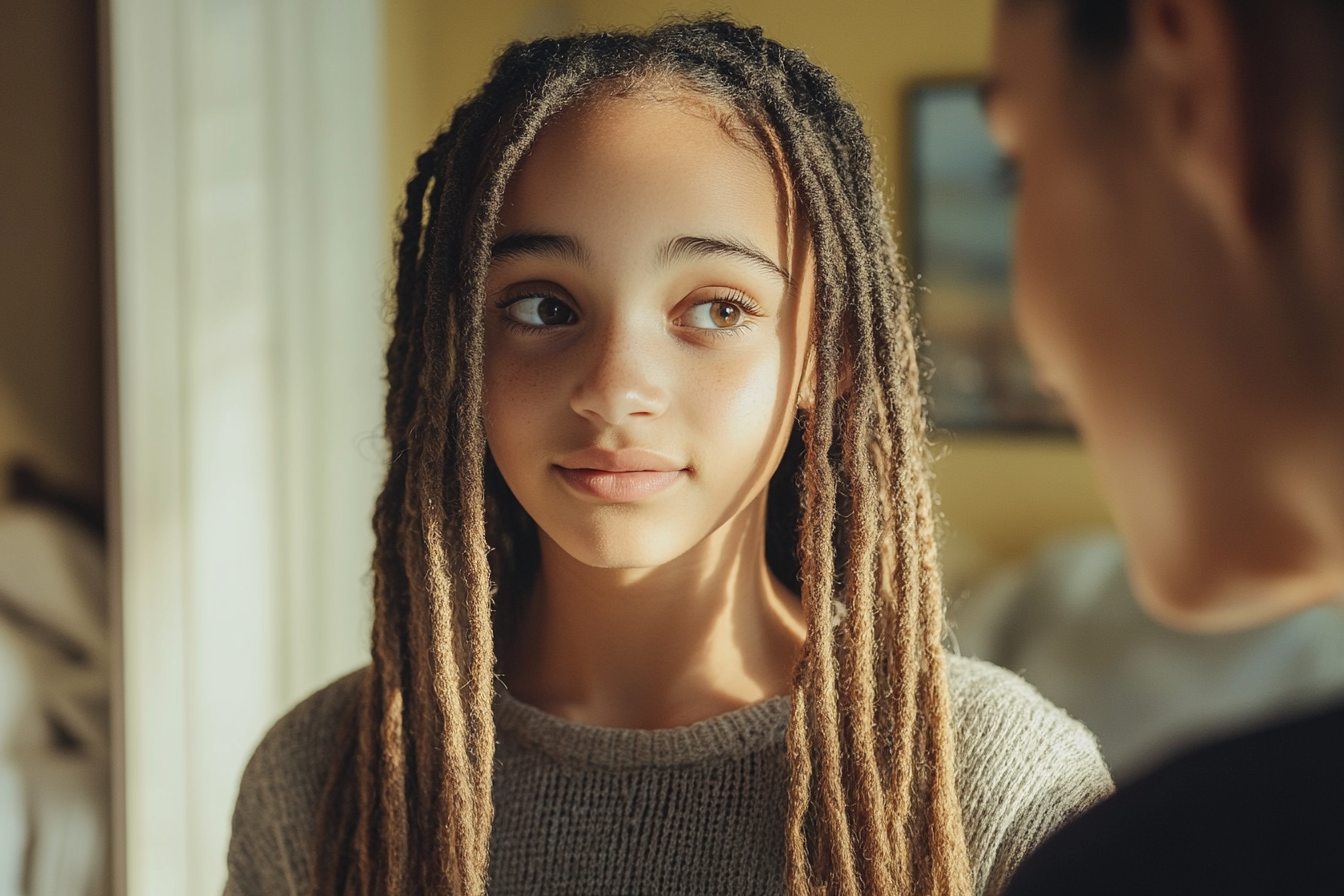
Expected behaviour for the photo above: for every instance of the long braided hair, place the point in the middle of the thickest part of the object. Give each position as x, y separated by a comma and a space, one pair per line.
873, 806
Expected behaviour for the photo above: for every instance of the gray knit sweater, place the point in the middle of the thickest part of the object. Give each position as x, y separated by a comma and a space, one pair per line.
695, 810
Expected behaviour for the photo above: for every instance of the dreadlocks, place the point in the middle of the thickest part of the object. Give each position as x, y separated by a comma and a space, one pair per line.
872, 800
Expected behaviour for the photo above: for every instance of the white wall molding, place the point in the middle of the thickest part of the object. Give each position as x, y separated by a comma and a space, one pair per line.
250, 244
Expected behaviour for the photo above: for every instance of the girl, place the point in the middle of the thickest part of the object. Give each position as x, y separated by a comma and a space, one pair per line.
657, 605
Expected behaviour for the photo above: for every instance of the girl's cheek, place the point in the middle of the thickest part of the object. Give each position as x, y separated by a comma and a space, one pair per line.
521, 391
746, 397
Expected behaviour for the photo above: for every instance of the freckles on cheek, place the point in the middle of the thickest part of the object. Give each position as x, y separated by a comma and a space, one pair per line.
514, 397
745, 400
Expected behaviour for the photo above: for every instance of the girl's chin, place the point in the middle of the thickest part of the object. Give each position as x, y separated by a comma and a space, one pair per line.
623, 544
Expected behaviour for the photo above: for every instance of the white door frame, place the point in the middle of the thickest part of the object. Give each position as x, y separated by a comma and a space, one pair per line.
248, 258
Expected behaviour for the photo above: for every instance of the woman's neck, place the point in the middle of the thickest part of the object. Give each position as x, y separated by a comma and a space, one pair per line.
710, 632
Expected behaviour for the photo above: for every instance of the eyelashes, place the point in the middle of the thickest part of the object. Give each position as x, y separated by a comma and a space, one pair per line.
726, 312
539, 312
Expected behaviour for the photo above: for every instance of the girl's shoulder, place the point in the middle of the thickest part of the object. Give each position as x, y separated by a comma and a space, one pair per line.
274, 820
1024, 766
989, 703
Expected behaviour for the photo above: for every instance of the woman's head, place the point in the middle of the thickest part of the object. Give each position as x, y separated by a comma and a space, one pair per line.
516, 245
1177, 280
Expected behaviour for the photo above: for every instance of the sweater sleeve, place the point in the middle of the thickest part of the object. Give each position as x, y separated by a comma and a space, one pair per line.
275, 817
1024, 768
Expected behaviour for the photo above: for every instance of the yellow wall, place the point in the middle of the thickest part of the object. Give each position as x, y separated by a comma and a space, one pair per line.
1001, 496
438, 53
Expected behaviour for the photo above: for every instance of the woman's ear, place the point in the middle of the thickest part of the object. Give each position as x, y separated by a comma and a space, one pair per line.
1192, 87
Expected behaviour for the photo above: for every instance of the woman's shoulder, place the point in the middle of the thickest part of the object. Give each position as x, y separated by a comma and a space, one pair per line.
1024, 766
274, 820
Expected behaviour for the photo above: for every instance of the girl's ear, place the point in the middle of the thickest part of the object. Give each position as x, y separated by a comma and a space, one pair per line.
807, 386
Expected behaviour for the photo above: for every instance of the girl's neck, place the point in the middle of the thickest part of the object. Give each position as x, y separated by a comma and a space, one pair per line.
710, 632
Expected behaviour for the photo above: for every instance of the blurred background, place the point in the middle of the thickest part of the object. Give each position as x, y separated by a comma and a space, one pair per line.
196, 209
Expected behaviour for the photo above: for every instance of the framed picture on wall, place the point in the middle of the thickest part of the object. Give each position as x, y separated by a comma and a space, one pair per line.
958, 219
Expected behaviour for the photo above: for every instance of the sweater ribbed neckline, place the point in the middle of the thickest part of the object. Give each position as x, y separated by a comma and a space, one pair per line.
740, 732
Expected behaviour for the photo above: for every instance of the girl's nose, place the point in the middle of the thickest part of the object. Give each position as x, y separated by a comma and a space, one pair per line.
621, 383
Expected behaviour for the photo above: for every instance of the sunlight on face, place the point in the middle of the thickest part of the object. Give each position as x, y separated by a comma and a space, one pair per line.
646, 325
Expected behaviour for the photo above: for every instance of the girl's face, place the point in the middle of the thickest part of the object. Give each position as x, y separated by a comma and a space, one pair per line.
647, 318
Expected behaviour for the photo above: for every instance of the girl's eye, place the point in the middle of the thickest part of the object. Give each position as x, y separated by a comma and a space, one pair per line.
716, 315
540, 311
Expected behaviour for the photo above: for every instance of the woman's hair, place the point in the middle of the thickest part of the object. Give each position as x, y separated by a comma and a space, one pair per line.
1100, 30
872, 802
1292, 54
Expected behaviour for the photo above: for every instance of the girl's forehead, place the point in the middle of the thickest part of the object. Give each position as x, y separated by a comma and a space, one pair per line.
671, 103
615, 150
618, 175
595, 124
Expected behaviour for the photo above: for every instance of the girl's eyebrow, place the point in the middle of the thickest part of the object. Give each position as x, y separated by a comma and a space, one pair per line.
529, 242
704, 247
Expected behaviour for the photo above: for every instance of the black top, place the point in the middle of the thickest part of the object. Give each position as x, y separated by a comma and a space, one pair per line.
1262, 813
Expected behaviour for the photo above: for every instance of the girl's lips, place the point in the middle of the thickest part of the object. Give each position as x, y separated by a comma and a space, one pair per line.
619, 487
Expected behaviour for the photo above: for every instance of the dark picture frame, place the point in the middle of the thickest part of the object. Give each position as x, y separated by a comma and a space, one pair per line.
958, 211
